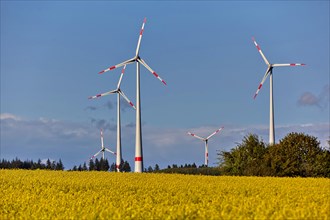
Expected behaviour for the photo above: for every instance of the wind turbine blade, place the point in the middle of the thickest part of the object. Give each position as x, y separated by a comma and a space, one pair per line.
262, 82
121, 76
125, 97
110, 151
118, 65
259, 49
140, 37
290, 64
151, 70
95, 155
103, 94
194, 135
214, 133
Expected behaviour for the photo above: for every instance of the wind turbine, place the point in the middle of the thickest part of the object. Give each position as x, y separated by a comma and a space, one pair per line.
119, 93
102, 149
206, 141
269, 72
138, 138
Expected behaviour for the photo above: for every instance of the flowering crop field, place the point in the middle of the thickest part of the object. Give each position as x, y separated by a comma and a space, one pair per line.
102, 195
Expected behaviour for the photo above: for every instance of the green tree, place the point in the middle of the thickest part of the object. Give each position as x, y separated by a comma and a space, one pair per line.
84, 167
298, 154
246, 158
104, 165
39, 164
156, 167
91, 165
150, 169
48, 164
59, 165
126, 167
97, 165
53, 166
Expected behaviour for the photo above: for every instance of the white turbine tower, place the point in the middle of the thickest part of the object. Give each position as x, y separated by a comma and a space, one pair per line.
269, 72
119, 93
103, 149
138, 138
206, 143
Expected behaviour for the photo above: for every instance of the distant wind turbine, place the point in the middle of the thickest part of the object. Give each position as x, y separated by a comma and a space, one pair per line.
119, 93
138, 138
206, 143
103, 149
269, 72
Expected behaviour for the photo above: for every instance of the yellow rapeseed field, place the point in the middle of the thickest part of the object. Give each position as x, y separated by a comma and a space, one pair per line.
103, 195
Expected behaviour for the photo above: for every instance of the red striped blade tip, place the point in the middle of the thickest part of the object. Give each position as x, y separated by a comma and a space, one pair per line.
155, 74
297, 64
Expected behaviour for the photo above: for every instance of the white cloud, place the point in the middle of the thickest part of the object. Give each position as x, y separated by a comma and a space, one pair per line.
4, 116
308, 99
321, 101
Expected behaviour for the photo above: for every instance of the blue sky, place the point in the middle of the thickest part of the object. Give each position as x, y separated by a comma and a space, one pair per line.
51, 53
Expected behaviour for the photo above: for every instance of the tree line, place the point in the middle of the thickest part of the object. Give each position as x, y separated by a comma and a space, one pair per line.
102, 165
31, 165
189, 169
